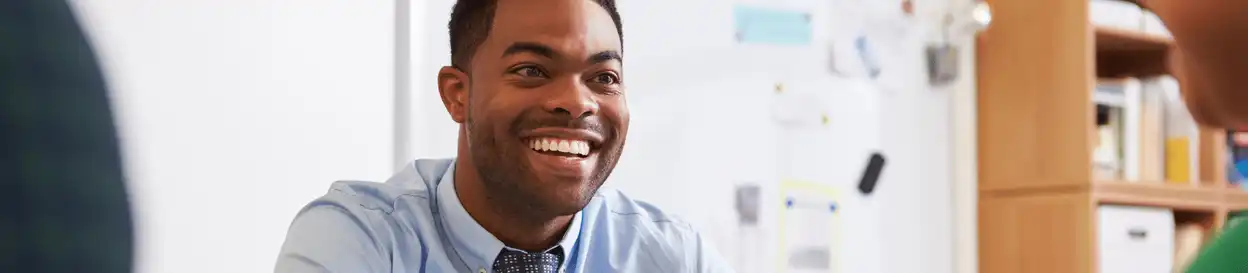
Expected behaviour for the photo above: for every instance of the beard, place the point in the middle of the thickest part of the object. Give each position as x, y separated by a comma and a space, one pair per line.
508, 177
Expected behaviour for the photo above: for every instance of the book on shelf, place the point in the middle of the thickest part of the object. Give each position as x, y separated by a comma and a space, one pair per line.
1107, 157
1181, 133
1143, 132
1128, 132
1152, 135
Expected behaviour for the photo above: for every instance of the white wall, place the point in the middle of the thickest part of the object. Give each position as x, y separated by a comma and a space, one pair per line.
433, 132
233, 114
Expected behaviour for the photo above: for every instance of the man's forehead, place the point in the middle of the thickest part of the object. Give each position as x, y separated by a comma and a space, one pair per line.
526, 10
563, 25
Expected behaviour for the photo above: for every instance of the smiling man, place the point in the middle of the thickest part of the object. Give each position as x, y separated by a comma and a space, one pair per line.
537, 87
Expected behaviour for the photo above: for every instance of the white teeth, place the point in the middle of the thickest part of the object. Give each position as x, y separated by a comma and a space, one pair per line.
577, 147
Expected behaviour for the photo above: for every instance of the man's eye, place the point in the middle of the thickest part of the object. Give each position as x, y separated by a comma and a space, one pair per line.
530, 71
606, 79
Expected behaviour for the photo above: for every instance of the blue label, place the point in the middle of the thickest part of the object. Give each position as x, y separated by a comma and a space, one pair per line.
772, 26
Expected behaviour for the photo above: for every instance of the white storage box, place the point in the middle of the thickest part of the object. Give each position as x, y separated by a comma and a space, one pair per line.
1135, 239
1154, 26
1116, 14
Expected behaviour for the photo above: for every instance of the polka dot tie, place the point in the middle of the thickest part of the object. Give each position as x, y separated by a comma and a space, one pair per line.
513, 261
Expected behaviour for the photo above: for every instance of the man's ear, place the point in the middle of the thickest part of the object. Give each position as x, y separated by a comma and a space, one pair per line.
453, 87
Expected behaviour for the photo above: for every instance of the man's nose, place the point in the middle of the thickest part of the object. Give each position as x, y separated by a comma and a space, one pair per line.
574, 99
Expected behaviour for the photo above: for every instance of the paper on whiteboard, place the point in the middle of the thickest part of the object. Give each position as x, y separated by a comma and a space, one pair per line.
809, 229
800, 110
827, 128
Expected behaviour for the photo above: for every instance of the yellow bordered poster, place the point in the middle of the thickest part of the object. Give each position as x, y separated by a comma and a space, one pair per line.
809, 228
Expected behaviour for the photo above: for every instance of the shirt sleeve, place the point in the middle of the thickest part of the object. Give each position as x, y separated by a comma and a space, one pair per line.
331, 239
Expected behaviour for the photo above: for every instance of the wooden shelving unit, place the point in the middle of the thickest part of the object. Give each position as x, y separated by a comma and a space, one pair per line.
1111, 39
1159, 195
1037, 68
1122, 53
1236, 200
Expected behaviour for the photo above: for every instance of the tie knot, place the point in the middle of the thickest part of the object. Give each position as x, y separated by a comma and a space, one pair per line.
514, 261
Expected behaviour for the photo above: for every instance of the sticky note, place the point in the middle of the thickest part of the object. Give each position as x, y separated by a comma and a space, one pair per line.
758, 25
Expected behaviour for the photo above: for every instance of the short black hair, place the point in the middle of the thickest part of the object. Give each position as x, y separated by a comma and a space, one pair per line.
471, 21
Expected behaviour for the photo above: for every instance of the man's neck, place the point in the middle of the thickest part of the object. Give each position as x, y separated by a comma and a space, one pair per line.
515, 227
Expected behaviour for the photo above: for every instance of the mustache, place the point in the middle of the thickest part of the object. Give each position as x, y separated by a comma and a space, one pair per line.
592, 123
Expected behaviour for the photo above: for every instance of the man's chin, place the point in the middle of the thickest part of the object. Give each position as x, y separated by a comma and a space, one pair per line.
569, 201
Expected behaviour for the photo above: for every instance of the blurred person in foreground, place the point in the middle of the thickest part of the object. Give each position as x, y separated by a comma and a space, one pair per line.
1211, 57
1211, 63
537, 87
64, 206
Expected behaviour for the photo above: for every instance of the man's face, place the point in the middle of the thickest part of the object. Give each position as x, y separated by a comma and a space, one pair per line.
546, 114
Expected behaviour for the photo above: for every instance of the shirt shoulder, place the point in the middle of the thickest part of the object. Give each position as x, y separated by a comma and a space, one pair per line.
661, 240
414, 181
356, 225
624, 210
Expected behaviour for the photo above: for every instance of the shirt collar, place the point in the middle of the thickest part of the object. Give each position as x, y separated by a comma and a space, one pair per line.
473, 243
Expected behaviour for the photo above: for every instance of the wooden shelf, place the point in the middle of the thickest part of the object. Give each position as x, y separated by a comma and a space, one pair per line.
1130, 53
1235, 199
1035, 164
1155, 194
1116, 39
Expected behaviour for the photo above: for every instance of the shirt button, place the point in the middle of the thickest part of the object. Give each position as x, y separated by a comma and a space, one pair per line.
482, 270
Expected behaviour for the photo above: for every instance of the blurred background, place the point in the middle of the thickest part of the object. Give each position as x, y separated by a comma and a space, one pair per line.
878, 135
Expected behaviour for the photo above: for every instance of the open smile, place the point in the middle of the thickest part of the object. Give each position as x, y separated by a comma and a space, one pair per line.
563, 152
560, 147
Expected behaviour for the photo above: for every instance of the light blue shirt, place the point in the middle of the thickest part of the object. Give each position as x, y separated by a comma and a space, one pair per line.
414, 222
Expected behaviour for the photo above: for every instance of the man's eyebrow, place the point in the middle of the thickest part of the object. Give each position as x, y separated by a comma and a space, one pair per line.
548, 52
535, 48
604, 56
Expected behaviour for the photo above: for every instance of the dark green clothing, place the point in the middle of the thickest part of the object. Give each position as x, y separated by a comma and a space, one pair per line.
1228, 253
63, 203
